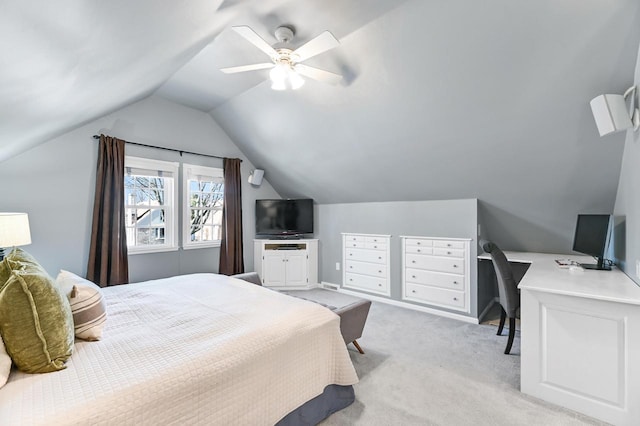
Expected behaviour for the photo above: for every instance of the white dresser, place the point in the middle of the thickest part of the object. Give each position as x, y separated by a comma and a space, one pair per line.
366, 263
436, 271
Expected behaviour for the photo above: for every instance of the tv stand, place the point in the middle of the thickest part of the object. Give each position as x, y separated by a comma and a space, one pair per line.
286, 264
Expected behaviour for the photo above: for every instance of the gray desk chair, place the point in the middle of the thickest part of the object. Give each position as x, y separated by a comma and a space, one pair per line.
507, 289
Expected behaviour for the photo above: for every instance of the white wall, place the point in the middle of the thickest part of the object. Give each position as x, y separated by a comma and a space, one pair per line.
54, 183
627, 207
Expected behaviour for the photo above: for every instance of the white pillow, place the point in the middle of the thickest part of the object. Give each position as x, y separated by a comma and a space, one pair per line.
5, 364
87, 305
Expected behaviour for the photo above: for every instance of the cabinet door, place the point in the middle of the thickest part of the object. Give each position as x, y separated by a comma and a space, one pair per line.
296, 268
274, 268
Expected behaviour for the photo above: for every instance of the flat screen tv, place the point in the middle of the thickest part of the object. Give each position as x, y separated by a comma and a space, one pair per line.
591, 237
285, 218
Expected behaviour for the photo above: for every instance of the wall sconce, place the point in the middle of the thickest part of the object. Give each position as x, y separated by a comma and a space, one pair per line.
611, 112
14, 231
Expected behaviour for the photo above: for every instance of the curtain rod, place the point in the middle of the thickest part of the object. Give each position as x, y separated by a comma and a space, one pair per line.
169, 149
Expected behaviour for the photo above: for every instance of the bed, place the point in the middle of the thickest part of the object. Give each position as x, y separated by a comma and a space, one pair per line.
196, 349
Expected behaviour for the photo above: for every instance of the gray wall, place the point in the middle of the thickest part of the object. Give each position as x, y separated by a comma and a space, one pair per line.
54, 183
446, 218
627, 208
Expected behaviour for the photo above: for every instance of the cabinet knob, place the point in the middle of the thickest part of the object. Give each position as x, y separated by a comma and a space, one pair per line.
413, 291
379, 285
418, 243
379, 258
448, 252
455, 282
455, 298
350, 279
379, 272
413, 276
413, 261
448, 245
350, 267
419, 250
354, 245
375, 246
455, 266
350, 254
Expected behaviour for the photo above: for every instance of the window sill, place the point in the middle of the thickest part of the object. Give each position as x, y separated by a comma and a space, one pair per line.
212, 244
148, 250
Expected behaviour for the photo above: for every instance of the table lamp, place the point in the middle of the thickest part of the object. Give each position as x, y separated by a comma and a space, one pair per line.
14, 231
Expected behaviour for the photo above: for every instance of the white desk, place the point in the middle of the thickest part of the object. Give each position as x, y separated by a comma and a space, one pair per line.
580, 338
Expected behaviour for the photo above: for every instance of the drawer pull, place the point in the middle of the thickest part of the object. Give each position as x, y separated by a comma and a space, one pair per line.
418, 243
379, 285
379, 258
448, 245
350, 267
413, 291
413, 276
455, 298
375, 246
354, 245
455, 266
418, 250
455, 282
375, 240
413, 261
350, 254
379, 272
350, 279
448, 252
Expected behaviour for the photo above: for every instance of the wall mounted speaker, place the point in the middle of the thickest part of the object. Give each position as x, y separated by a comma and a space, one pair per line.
255, 177
611, 114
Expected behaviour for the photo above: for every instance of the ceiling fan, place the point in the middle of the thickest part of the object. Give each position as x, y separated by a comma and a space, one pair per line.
285, 61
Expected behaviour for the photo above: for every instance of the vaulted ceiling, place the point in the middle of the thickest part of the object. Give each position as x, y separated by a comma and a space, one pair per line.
440, 100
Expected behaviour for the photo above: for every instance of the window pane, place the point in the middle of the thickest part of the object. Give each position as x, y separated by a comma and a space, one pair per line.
156, 236
194, 200
142, 236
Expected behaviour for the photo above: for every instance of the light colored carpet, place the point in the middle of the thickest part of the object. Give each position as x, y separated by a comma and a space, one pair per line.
422, 369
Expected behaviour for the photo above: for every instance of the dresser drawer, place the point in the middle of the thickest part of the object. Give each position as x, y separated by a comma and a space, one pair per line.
363, 255
448, 244
366, 268
365, 282
355, 244
354, 238
436, 279
435, 263
438, 296
418, 242
419, 249
375, 239
375, 246
449, 252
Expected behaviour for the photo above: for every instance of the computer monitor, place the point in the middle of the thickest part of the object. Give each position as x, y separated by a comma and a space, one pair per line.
592, 236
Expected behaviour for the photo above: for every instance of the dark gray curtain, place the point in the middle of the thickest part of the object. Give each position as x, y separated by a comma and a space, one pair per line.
231, 257
108, 262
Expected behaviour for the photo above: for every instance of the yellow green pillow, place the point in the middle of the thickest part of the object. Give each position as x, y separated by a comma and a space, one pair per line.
35, 322
18, 259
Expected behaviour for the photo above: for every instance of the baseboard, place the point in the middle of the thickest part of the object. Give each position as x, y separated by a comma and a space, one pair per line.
336, 287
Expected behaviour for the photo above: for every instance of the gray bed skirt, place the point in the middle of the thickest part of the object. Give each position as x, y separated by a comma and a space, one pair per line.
334, 398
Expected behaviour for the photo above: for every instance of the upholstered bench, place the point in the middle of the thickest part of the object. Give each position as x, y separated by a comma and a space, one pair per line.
352, 311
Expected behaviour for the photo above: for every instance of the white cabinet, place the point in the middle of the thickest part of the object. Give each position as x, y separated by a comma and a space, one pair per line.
436, 271
287, 263
366, 263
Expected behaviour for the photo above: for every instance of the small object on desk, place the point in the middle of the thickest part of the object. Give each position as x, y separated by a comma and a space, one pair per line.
565, 263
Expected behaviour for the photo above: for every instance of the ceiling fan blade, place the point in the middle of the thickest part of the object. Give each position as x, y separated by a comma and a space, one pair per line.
318, 74
316, 46
243, 68
255, 39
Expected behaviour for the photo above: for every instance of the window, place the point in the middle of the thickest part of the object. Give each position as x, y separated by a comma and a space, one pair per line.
203, 195
150, 195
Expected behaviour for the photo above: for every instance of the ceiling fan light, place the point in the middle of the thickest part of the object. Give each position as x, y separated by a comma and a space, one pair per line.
278, 85
279, 73
295, 80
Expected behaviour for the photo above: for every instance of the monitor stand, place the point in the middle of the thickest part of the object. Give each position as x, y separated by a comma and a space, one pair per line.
600, 266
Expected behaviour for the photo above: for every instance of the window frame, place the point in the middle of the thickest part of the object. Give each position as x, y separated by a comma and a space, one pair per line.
170, 203
189, 170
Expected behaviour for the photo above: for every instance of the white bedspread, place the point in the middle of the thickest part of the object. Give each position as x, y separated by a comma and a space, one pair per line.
198, 349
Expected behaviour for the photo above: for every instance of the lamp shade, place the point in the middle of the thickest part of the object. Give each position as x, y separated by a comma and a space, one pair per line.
14, 230
611, 114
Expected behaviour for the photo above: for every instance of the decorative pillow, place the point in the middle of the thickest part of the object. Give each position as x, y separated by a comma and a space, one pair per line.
87, 305
18, 259
35, 322
5, 364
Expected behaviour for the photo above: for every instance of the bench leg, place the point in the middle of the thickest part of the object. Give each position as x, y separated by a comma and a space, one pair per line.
355, 343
